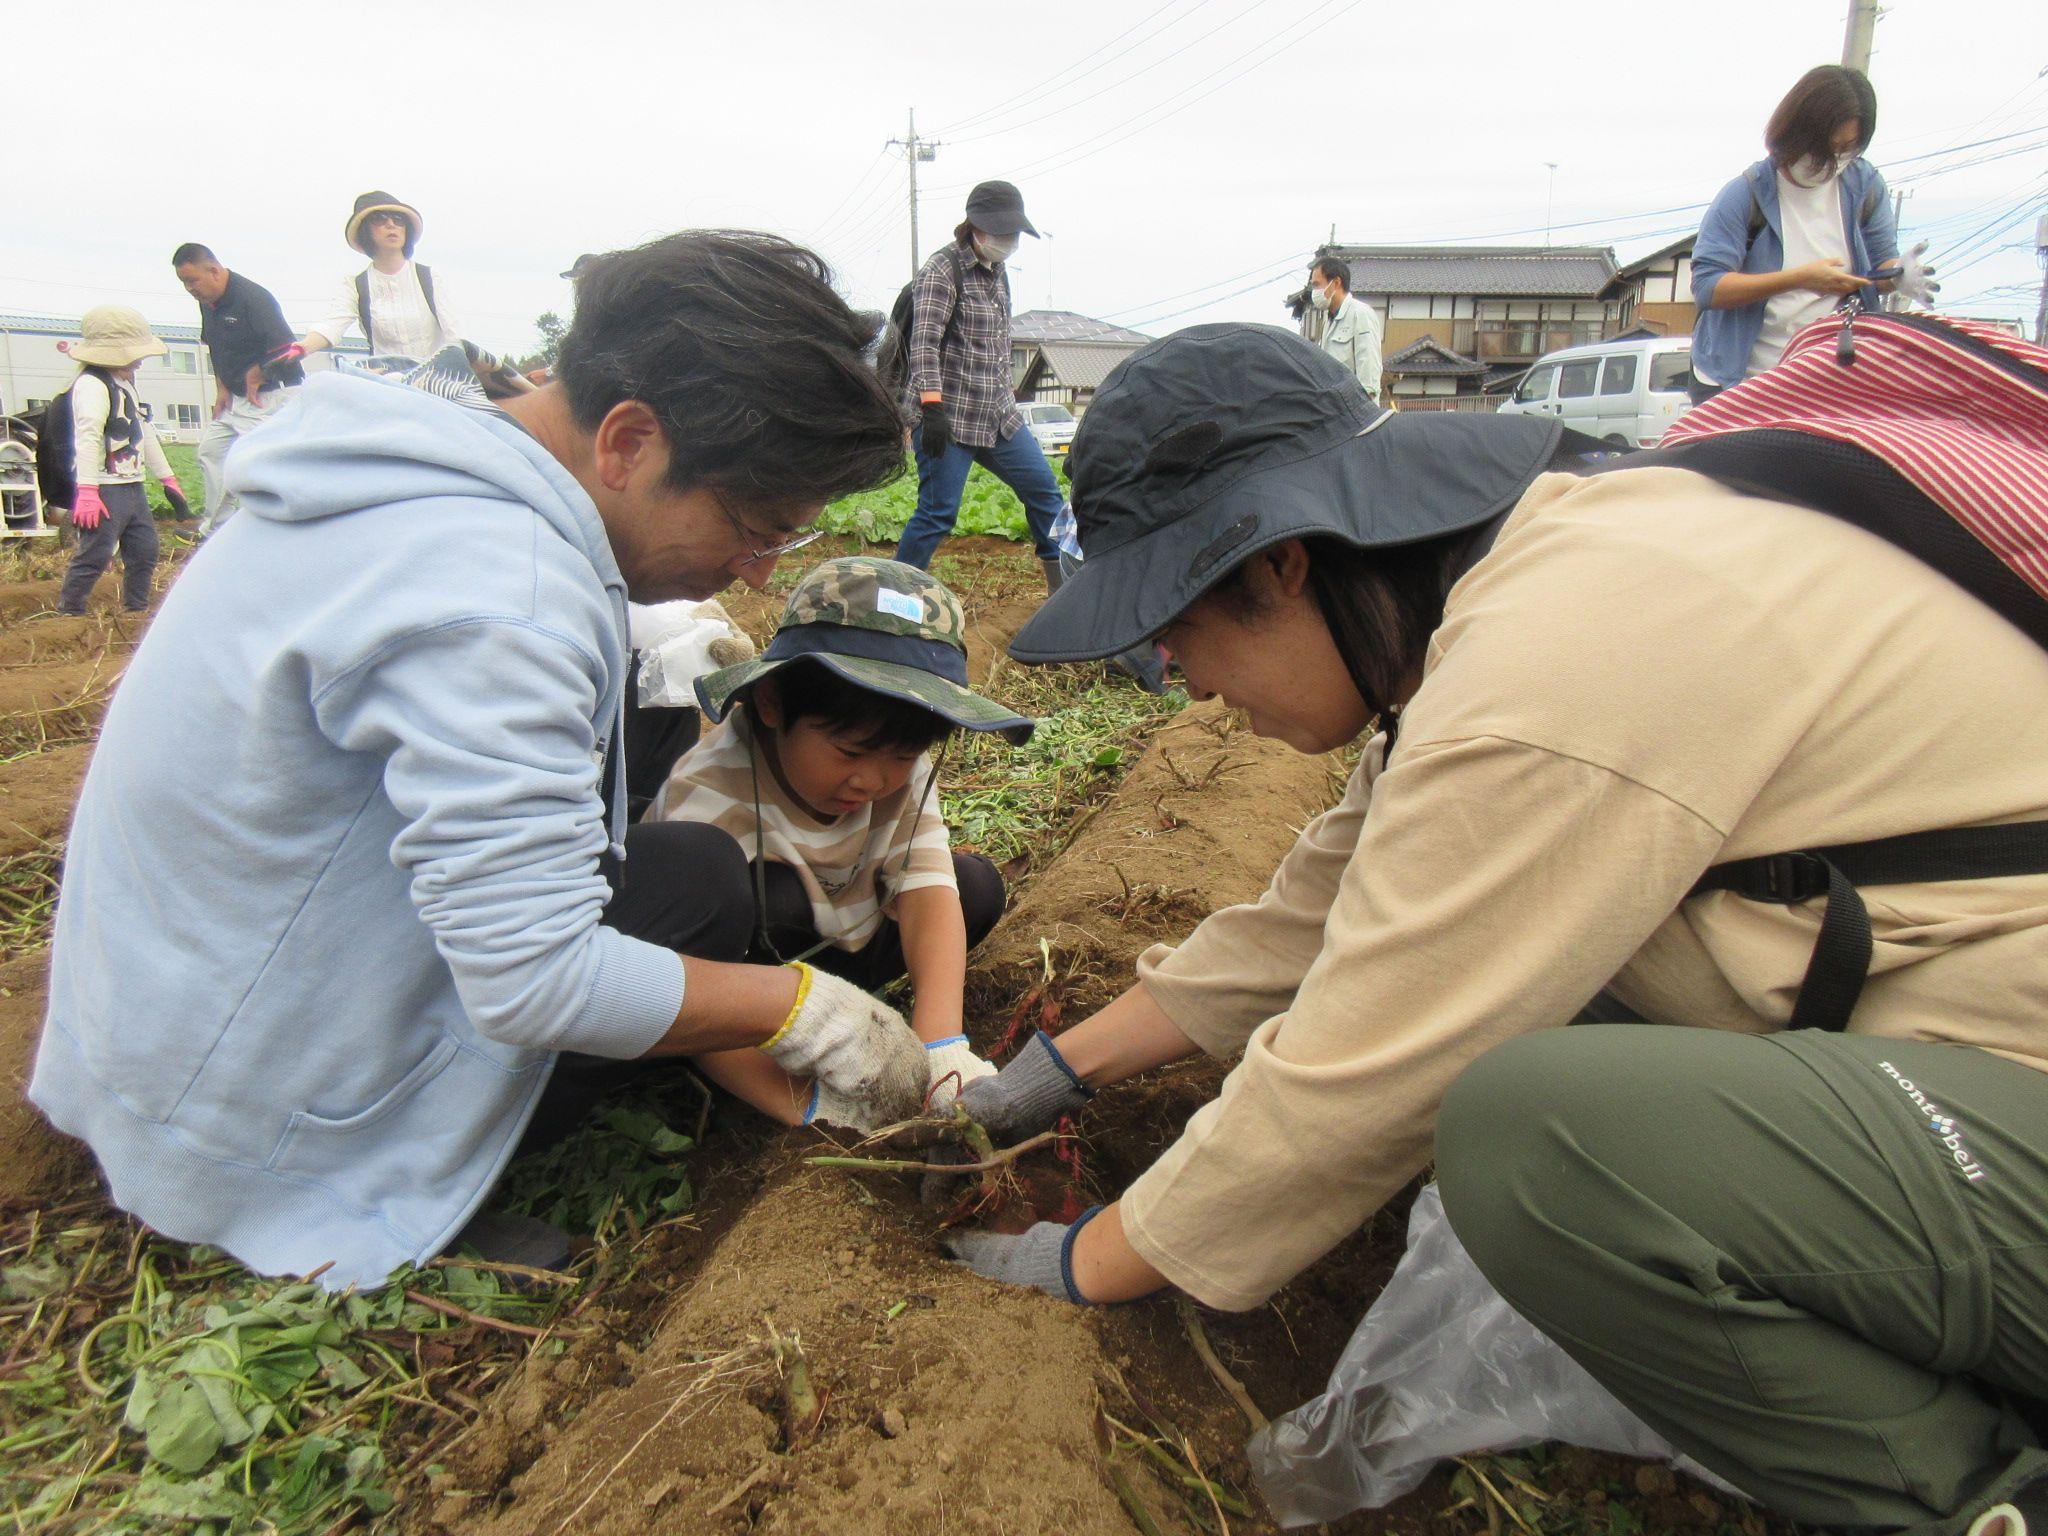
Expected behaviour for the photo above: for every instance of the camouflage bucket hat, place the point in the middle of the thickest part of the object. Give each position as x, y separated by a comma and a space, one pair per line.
884, 626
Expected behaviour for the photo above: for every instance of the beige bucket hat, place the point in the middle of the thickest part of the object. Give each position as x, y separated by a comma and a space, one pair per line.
381, 202
113, 336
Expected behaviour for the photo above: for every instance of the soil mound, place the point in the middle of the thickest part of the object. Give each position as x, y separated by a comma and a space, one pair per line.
1200, 823
971, 1409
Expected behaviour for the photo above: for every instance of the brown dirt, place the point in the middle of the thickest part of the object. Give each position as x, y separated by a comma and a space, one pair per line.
60, 637
972, 1410
1199, 823
62, 702
36, 796
37, 1165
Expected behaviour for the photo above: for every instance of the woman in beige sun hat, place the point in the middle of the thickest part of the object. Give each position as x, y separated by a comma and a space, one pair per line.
399, 305
111, 446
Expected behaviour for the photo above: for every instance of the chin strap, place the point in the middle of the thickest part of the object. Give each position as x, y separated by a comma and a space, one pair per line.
760, 859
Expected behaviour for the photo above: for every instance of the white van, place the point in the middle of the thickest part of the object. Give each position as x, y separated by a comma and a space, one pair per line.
1626, 392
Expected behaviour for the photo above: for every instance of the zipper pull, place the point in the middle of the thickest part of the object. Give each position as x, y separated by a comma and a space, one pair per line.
1845, 339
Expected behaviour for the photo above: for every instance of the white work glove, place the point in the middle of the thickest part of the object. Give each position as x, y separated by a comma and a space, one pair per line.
680, 642
953, 1066
858, 1049
1914, 278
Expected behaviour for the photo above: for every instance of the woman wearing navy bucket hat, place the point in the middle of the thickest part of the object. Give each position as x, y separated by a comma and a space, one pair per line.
1603, 684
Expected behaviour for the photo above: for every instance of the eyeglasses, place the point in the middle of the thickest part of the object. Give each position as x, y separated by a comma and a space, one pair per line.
749, 535
387, 218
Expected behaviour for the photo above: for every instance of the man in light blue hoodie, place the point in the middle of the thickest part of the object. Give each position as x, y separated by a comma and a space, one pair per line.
307, 1014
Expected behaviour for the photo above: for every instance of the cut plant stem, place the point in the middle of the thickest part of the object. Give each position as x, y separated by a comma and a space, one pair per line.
991, 1162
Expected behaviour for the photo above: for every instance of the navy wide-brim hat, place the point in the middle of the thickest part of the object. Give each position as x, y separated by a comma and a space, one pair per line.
1221, 440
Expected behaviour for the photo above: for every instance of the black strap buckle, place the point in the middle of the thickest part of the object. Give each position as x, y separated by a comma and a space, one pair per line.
1788, 878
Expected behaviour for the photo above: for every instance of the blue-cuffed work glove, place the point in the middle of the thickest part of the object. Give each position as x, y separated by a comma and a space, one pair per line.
1042, 1257
954, 1065
1027, 1096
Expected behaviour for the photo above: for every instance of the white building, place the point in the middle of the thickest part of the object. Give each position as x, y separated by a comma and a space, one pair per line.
176, 390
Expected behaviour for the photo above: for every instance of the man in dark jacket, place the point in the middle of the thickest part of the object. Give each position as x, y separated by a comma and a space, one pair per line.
254, 355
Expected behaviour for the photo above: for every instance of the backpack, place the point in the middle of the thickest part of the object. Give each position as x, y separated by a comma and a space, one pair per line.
363, 300
56, 445
892, 358
1932, 434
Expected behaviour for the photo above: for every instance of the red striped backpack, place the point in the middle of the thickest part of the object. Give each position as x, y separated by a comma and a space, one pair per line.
1934, 435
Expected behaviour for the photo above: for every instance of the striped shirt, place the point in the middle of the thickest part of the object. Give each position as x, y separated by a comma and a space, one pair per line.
853, 867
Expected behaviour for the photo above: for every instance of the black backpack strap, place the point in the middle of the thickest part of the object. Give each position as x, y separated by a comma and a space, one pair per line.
363, 309
427, 288
1841, 956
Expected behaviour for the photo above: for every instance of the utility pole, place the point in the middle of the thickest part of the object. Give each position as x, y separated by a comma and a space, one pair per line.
914, 150
2041, 254
1856, 40
1549, 200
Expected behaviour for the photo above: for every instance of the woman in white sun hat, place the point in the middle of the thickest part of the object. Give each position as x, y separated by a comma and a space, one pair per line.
111, 446
399, 305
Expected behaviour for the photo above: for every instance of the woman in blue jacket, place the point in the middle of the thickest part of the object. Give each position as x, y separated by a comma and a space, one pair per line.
1794, 235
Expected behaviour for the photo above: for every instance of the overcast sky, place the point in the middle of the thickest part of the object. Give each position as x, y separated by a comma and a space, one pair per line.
1182, 155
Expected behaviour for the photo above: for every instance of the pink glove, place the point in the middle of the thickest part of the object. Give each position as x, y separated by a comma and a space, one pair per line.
172, 482
87, 511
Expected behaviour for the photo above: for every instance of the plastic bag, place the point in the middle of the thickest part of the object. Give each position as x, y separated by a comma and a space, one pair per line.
674, 641
1440, 1366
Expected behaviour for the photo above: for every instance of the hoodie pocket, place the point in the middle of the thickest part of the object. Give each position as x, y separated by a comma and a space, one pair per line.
304, 1124
425, 1148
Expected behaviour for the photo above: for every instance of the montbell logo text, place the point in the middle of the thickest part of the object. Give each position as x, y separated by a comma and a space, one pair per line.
1942, 1125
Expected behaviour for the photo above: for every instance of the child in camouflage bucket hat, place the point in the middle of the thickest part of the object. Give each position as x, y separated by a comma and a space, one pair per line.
821, 825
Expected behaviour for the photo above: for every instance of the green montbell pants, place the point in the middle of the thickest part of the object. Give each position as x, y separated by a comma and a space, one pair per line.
1816, 1263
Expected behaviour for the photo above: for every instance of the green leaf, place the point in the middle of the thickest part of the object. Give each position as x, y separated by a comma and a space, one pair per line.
340, 1370
1109, 757
180, 1428
43, 1275
205, 1498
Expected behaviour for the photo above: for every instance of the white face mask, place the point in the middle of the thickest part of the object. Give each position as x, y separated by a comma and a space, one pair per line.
995, 249
1813, 172
1319, 297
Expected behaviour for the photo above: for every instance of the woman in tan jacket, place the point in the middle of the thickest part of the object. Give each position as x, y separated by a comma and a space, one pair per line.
1809, 1258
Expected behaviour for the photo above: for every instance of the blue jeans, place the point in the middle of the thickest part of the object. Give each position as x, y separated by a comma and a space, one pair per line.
1018, 462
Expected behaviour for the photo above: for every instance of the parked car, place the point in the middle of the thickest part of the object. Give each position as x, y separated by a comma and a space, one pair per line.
1626, 392
1052, 425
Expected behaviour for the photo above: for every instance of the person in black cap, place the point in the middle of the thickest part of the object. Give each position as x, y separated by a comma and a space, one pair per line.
961, 389
1808, 1258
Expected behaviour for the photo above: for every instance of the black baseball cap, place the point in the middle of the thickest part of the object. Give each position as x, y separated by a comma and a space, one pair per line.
1221, 440
997, 208
577, 266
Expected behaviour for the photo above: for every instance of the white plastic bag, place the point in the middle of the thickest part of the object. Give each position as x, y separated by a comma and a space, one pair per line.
674, 641
1440, 1366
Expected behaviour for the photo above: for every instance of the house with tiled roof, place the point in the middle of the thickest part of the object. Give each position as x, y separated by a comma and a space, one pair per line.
1061, 358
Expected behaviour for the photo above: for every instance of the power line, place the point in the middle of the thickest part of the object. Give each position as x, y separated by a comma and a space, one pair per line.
1119, 83
1054, 161
1036, 91
1281, 264
866, 176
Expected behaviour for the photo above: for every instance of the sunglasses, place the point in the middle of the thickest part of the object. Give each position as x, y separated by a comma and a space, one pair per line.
749, 536
388, 218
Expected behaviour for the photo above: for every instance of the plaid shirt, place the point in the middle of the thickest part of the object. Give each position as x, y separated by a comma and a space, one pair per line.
971, 370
